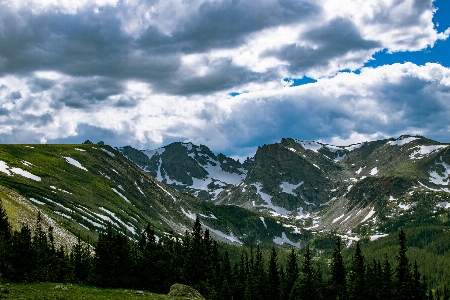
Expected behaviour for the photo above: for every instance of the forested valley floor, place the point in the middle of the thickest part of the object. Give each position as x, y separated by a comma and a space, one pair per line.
195, 260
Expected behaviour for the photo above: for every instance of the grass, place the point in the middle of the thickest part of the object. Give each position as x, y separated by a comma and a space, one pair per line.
58, 291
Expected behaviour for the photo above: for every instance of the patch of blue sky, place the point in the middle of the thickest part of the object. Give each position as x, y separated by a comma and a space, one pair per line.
439, 53
299, 81
358, 71
234, 94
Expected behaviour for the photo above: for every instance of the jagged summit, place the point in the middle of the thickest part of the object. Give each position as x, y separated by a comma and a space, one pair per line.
298, 178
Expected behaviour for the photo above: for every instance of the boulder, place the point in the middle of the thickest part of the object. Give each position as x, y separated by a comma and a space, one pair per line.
182, 290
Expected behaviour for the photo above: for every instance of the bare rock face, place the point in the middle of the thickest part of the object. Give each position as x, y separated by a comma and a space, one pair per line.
182, 290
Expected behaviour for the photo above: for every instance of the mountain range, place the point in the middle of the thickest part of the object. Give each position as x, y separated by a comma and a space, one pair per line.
290, 192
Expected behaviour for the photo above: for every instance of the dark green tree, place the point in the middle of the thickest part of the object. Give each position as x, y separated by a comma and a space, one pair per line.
80, 261
307, 284
403, 284
22, 256
111, 259
273, 277
5, 242
338, 283
357, 276
387, 287
291, 274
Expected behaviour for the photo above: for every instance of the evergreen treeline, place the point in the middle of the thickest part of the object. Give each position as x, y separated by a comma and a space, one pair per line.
195, 260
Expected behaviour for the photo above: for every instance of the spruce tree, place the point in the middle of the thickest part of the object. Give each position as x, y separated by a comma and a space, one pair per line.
112, 259
22, 256
387, 287
273, 277
5, 242
418, 289
291, 274
41, 252
357, 276
338, 282
80, 260
306, 285
402, 272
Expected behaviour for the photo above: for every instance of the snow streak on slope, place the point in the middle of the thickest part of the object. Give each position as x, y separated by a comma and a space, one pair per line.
422, 151
313, 146
285, 240
4, 168
74, 162
439, 179
275, 210
118, 193
402, 141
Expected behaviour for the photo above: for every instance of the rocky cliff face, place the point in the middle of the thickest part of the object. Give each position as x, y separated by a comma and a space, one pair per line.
305, 179
190, 168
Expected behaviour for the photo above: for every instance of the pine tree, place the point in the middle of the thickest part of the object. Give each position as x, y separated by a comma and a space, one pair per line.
307, 285
387, 288
112, 259
338, 282
23, 261
357, 281
273, 277
241, 280
80, 261
291, 274
5, 242
418, 289
402, 272
41, 252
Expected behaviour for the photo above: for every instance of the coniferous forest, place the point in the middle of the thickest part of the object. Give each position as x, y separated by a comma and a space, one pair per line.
195, 260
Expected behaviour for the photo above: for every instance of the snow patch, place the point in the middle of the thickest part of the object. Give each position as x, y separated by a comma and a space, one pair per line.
277, 210
26, 163
139, 188
4, 167
113, 215
26, 174
339, 158
313, 146
109, 152
377, 236
78, 149
402, 141
353, 147
359, 170
118, 193
289, 188
436, 178
285, 240
262, 219
444, 204
374, 171
151, 153
338, 218
188, 213
37, 201
369, 215
229, 237
174, 199
59, 204
421, 151
74, 162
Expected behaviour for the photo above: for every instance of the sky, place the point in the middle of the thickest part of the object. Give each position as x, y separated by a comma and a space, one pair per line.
229, 74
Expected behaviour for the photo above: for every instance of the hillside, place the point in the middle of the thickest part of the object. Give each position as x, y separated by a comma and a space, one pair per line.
81, 188
358, 188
